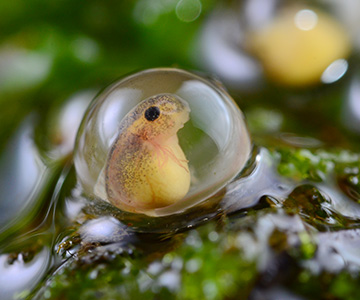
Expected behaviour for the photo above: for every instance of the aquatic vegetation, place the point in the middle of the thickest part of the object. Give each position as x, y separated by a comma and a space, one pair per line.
206, 265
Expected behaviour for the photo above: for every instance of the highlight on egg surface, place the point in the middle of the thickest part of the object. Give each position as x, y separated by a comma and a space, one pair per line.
159, 142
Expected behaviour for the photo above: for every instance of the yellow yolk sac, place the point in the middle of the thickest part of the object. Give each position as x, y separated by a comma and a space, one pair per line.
147, 167
299, 45
160, 142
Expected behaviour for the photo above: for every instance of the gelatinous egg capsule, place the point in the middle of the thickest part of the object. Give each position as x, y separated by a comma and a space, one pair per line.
159, 142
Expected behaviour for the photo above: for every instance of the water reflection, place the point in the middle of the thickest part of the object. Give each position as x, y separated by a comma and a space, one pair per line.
20, 277
340, 202
67, 122
104, 230
263, 180
295, 140
335, 71
341, 248
221, 52
351, 110
23, 176
348, 11
257, 13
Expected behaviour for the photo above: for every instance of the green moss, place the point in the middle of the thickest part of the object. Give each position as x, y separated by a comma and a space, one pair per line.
315, 165
207, 265
327, 286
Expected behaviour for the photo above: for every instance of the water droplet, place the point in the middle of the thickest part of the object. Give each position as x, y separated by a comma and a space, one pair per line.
334, 71
188, 10
306, 19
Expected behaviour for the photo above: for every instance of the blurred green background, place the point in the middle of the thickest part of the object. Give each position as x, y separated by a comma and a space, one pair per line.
51, 49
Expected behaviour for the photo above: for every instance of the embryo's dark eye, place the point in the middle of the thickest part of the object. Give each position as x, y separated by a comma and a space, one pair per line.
152, 113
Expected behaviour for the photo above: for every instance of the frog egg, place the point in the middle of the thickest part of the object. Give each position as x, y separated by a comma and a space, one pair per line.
297, 44
215, 139
302, 46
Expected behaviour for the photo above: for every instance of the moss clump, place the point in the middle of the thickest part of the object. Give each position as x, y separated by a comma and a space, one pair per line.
327, 286
314, 165
207, 265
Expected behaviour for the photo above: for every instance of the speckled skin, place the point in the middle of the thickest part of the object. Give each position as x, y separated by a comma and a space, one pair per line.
146, 167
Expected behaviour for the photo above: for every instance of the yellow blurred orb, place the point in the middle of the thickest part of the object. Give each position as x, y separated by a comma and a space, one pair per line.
298, 46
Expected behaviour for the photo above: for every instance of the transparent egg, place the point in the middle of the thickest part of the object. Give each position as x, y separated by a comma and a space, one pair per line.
159, 142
